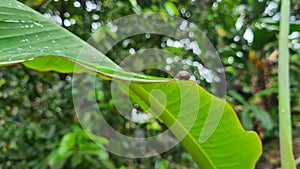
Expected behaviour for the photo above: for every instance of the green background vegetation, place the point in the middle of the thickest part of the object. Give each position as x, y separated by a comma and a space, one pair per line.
38, 124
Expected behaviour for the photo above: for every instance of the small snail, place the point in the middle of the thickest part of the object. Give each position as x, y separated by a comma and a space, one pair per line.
182, 75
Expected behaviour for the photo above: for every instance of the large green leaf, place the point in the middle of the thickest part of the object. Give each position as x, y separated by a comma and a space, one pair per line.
29, 38
228, 147
26, 36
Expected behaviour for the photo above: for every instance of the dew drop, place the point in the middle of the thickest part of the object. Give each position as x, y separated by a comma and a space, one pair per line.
24, 40
38, 24
44, 50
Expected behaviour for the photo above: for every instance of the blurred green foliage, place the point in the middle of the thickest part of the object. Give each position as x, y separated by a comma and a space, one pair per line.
38, 125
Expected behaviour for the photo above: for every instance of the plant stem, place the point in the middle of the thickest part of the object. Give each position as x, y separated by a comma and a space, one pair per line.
285, 130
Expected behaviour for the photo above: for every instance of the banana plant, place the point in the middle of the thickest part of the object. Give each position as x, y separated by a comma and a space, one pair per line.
28, 38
